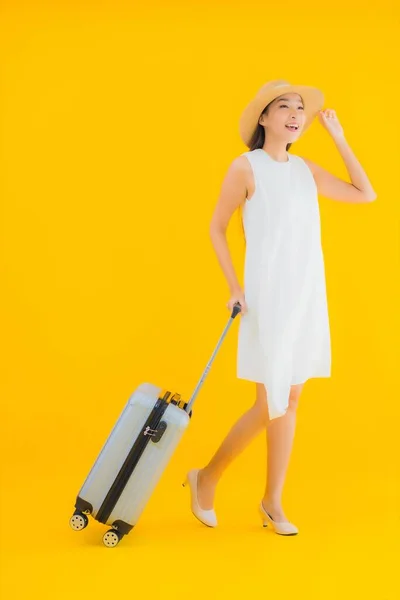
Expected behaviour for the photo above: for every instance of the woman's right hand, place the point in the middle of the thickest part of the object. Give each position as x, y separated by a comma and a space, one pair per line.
238, 296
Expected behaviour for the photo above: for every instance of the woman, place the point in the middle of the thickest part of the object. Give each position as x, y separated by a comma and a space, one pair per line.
284, 336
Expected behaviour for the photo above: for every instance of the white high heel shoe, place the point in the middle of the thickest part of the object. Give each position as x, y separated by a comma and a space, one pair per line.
207, 517
281, 528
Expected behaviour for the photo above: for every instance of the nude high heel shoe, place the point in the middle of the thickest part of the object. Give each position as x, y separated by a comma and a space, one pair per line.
280, 528
207, 517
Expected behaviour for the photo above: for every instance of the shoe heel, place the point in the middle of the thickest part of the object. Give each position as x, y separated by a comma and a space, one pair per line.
285, 528
264, 520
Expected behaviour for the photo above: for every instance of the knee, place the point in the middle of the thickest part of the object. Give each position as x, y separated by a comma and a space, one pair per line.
260, 407
294, 396
293, 402
260, 411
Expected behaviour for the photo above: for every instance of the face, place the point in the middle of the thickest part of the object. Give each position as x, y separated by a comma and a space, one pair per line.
286, 109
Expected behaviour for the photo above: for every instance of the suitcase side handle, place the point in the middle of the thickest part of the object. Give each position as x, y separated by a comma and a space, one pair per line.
236, 310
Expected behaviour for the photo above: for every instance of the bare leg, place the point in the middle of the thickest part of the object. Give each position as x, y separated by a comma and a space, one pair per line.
249, 425
280, 436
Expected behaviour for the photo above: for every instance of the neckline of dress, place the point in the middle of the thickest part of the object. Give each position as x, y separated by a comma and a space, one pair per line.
278, 162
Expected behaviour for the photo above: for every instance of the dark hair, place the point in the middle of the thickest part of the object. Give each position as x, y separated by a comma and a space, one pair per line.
257, 141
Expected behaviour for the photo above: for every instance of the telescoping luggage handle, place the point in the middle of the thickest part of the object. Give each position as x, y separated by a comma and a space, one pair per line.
236, 310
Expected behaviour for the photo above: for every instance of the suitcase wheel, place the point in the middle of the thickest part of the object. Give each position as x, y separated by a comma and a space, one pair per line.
111, 538
78, 521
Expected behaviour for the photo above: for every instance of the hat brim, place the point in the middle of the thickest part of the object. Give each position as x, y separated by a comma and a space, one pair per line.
312, 97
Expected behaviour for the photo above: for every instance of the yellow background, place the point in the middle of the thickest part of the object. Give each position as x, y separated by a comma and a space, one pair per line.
118, 123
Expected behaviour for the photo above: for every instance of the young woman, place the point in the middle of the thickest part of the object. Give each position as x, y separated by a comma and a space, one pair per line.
284, 336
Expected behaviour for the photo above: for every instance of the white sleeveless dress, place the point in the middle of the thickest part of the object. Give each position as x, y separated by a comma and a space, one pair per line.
284, 338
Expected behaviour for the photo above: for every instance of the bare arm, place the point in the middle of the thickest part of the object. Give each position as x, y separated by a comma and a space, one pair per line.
232, 195
360, 188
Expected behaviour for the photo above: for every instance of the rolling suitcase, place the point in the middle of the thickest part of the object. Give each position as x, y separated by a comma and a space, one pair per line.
135, 455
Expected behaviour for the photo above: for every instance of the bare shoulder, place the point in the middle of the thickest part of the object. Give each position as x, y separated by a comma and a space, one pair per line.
232, 193
242, 170
240, 164
310, 164
238, 176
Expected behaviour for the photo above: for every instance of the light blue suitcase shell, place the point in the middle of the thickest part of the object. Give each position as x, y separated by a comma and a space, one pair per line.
151, 464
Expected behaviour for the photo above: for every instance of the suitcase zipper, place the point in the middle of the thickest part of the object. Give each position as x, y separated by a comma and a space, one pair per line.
147, 432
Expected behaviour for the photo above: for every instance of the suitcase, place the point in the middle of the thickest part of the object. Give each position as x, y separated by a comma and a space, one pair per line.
135, 455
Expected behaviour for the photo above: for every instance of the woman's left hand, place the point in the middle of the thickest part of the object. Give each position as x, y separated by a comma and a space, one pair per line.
329, 120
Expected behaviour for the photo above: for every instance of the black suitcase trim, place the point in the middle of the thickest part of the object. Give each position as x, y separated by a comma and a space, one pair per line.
148, 430
122, 527
83, 506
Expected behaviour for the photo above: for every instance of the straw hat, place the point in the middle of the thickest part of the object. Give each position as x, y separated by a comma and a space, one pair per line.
312, 97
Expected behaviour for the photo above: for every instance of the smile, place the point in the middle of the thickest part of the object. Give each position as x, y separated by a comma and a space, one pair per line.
293, 127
